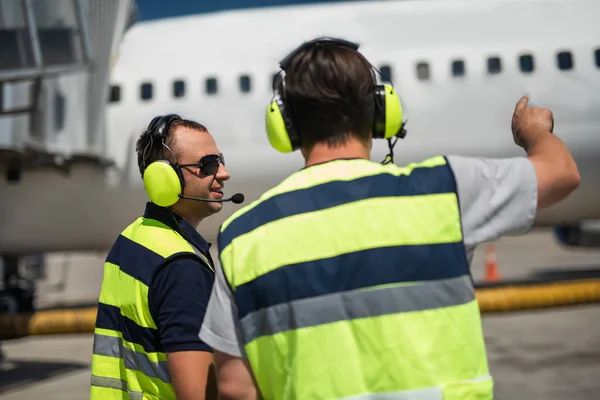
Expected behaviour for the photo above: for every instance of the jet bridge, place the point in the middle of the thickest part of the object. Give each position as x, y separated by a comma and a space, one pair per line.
54, 68
55, 59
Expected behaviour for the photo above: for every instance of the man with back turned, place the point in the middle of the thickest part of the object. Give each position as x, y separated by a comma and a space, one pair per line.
350, 279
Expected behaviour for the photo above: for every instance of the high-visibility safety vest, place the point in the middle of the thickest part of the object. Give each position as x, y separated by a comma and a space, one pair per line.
351, 280
128, 361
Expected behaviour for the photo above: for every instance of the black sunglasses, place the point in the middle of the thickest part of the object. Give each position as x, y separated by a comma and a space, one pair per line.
209, 164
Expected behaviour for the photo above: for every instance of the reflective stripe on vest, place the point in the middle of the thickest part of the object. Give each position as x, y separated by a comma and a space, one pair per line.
128, 358
106, 388
203, 258
436, 393
386, 309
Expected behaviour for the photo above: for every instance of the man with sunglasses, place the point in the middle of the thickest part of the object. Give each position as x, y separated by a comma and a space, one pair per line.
159, 273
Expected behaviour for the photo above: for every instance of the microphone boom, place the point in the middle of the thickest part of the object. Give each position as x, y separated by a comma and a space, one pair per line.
237, 198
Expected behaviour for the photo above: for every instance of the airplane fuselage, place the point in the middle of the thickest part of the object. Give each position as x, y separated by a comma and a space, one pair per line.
459, 67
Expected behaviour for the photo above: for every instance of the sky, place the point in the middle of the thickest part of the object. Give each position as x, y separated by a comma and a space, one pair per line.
156, 9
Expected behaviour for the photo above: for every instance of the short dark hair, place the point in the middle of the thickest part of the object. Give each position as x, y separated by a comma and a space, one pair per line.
330, 92
156, 151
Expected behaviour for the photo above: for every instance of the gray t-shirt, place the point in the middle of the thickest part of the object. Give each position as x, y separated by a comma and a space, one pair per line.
497, 197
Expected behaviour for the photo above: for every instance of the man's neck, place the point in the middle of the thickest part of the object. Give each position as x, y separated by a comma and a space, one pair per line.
190, 220
321, 152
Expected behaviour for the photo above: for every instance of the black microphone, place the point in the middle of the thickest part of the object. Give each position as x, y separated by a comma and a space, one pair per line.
236, 199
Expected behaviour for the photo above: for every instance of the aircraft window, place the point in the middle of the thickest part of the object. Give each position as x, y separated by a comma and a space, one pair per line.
146, 91
211, 86
597, 54
565, 60
115, 94
178, 88
423, 70
494, 65
245, 83
526, 62
386, 73
458, 68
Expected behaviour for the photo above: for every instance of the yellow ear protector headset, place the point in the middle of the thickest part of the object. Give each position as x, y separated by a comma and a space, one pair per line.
163, 179
282, 133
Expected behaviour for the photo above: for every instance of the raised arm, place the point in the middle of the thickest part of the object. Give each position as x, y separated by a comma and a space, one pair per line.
500, 196
556, 171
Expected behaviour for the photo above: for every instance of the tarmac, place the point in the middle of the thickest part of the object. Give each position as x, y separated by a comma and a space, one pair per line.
546, 354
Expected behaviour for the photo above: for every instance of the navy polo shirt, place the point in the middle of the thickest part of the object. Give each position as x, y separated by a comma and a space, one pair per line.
179, 294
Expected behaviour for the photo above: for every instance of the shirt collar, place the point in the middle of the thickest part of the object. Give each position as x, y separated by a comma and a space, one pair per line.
335, 159
176, 222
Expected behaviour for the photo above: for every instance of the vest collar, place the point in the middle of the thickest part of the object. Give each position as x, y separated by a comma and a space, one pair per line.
164, 215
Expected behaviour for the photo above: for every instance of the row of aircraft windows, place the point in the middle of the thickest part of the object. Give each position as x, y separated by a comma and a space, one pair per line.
564, 61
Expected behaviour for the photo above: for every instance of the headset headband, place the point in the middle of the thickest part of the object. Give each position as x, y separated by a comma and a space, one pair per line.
159, 126
158, 129
285, 63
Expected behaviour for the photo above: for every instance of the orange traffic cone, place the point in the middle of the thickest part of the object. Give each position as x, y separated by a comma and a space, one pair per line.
491, 264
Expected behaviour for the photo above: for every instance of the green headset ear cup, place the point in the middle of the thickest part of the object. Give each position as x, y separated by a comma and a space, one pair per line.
162, 183
277, 133
393, 112
388, 112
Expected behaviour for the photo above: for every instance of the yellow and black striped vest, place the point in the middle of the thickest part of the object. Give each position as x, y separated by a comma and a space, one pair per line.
351, 281
128, 361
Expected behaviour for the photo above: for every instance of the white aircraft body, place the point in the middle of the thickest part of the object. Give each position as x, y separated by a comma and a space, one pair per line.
459, 67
